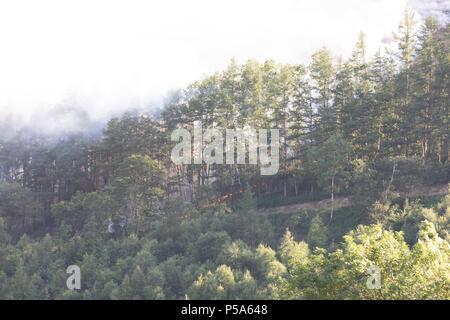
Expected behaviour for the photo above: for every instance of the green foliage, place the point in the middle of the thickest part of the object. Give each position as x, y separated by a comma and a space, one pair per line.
222, 284
4, 236
317, 233
137, 183
365, 189
217, 265
421, 272
94, 207
291, 251
247, 224
209, 245
19, 209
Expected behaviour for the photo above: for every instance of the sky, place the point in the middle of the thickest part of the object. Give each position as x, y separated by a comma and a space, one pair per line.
104, 56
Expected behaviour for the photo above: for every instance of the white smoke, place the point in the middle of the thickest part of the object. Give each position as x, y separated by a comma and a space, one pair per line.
436, 8
103, 57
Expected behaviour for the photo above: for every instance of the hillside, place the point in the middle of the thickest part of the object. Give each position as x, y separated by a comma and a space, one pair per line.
265, 180
342, 202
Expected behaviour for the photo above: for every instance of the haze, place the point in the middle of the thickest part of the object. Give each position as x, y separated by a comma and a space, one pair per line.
103, 57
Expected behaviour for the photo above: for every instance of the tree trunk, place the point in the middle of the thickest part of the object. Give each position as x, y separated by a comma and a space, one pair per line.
332, 198
443, 155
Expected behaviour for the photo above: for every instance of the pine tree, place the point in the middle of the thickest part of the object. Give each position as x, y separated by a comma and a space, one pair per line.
425, 96
317, 233
322, 73
406, 42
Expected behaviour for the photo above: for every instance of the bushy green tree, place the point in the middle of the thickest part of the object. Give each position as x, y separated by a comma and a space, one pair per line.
317, 233
421, 272
292, 251
329, 162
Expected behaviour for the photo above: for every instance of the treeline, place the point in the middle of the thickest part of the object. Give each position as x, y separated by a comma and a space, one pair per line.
359, 110
392, 105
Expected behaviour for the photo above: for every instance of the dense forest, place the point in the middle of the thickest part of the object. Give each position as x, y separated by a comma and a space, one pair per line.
373, 130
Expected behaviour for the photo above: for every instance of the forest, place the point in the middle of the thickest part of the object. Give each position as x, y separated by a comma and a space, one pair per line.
366, 136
